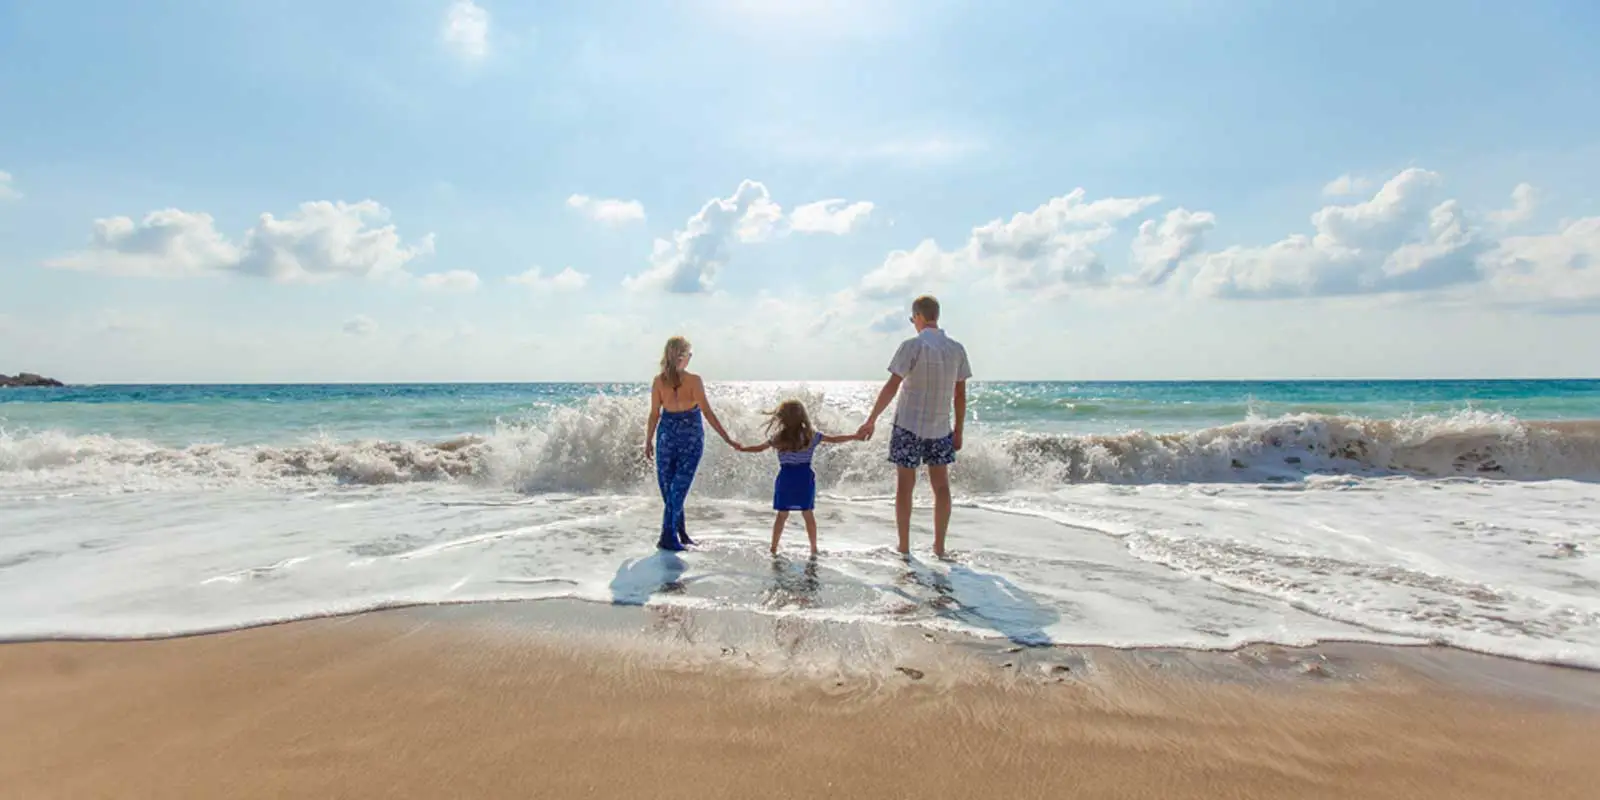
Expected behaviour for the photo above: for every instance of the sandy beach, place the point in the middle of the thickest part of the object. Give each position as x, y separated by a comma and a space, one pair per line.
427, 705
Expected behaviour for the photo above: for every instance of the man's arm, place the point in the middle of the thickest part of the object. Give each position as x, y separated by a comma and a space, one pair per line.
899, 366
963, 372
885, 396
961, 413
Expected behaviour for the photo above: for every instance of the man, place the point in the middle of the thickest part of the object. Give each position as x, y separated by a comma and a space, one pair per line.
929, 372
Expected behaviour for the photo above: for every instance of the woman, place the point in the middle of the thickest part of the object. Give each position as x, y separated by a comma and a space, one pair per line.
675, 437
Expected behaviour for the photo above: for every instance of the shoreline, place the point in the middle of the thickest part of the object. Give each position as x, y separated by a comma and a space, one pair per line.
588, 624
535, 699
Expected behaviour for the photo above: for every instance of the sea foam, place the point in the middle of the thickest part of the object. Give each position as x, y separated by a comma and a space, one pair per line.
1472, 529
598, 446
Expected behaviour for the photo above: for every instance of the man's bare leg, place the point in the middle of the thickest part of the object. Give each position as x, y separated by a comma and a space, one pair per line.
905, 485
939, 479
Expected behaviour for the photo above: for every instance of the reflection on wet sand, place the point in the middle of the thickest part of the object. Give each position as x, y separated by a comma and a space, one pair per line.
793, 586
980, 599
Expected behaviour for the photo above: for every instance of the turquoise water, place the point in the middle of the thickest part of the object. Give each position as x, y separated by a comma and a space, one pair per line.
176, 415
1284, 512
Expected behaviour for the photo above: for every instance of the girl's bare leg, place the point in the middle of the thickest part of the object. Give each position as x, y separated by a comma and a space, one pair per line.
777, 530
811, 529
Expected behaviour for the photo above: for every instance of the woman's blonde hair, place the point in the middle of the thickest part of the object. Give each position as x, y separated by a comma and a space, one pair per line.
789, 426
671, 370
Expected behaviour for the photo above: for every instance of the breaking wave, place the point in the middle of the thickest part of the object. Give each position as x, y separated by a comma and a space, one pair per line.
597, 447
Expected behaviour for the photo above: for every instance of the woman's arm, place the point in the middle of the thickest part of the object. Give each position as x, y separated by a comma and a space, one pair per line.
711, 416
655, 417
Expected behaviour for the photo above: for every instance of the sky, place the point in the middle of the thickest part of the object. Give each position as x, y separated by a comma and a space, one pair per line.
489, 190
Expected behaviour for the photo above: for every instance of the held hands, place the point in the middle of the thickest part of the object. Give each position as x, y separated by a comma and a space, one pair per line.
864, 432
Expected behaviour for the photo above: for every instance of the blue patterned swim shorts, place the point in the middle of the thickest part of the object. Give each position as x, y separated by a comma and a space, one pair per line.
907, 450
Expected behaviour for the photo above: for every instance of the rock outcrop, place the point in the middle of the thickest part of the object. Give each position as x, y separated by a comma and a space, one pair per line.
28, 379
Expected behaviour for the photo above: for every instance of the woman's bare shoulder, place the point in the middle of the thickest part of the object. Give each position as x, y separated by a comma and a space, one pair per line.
696, 385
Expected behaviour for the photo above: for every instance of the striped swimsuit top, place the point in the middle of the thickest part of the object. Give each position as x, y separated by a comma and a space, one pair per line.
799, 458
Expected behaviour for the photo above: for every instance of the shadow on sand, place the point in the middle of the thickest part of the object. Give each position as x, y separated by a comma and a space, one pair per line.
983, 600
638, 579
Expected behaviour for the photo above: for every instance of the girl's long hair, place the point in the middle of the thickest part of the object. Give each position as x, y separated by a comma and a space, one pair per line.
671, 370
789, 426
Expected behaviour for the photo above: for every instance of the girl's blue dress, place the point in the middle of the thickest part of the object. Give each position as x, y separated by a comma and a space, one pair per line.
796, 486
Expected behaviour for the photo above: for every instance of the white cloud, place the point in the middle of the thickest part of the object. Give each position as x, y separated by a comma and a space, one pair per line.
1560, 271
1400, 240
466, 30
1160, 248
8, 190
1524, 201
611, 212
1346, 185
688, 262
910, 272
1053, 245
456, 280
1042, 251
890, 321
567, 280
834, 216
360, 325
321, 240
165, 244
762, 221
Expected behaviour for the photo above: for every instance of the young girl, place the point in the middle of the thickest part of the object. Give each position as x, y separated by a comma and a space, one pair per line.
789, 432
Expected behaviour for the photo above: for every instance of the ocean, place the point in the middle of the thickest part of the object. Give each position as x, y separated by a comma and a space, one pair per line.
1183, 514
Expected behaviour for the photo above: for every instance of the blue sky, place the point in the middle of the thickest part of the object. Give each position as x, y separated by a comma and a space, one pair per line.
497, 190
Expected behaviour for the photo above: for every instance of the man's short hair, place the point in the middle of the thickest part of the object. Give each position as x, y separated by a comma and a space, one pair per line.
927, 307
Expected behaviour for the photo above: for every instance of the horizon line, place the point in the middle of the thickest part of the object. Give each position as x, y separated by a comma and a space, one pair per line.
636, 381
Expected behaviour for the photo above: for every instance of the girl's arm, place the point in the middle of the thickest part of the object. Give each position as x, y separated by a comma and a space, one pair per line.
854, 437
753, 448
711, 416
655, 417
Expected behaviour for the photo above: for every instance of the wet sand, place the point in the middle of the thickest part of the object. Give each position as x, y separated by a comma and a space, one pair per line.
483, 703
